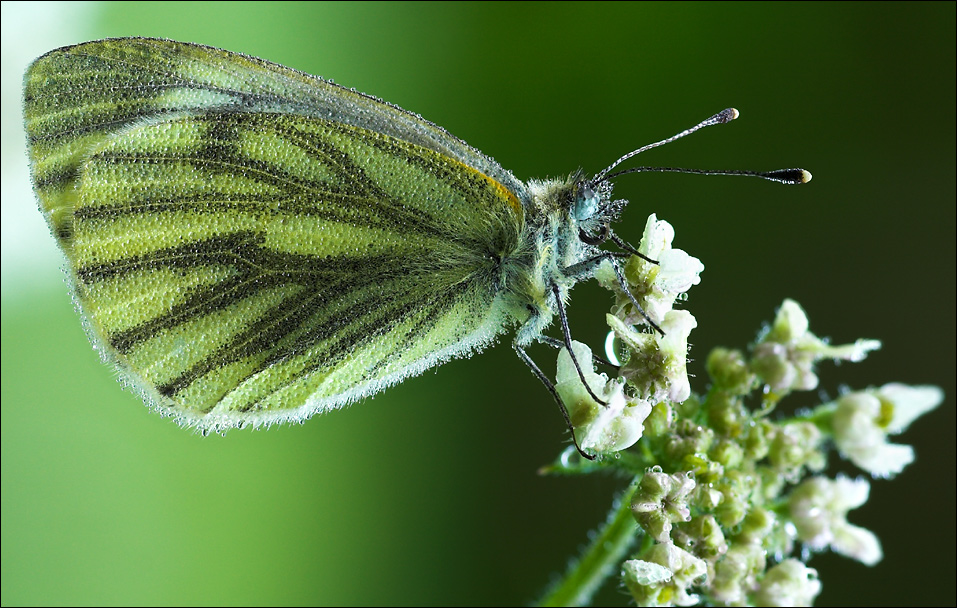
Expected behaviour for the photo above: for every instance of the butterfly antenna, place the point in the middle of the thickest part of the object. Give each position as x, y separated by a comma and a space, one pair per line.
783, 176
722, 117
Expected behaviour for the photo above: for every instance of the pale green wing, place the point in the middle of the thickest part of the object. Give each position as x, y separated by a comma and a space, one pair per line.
77, 95
250, 267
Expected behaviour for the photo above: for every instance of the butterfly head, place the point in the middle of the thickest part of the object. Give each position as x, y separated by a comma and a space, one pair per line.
594, 209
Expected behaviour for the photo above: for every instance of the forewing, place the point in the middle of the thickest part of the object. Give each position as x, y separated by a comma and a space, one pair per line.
77, 96
248, 267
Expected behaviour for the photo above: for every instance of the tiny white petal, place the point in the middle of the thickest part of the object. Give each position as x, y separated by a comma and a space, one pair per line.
849, 493
855, 353
678, 271
910, 402
857, 543
646, 573
657, 237
677, 326
791, 320
884, 460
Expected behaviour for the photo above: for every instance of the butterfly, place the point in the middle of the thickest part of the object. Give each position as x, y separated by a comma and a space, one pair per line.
250, 244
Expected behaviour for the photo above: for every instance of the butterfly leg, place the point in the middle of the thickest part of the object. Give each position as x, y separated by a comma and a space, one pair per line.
567, 334
587, 267
551, 388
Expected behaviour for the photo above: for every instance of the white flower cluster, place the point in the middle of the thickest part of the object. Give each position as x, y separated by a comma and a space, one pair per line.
785, 356
657, 364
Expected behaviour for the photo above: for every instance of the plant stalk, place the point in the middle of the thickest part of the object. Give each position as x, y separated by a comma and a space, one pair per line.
601, 559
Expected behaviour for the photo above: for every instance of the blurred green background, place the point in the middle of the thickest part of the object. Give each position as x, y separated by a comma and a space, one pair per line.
428, 493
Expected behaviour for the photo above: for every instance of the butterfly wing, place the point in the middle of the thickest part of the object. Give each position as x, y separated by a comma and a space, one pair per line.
249, 266
79, 94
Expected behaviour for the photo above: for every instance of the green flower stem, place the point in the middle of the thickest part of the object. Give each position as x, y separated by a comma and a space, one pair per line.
601, 559
821, 417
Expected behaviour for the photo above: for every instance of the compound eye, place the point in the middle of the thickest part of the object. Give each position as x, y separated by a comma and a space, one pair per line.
586, 207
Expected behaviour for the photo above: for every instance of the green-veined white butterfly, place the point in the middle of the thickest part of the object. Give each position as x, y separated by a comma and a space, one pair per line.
251, 244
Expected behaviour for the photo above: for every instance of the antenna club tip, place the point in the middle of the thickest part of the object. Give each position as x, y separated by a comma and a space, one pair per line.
786, 176
724, 116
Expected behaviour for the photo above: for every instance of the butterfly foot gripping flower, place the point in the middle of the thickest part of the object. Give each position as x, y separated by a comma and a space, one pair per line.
599, 428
